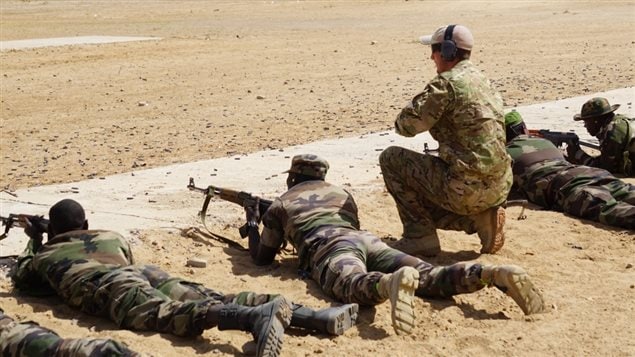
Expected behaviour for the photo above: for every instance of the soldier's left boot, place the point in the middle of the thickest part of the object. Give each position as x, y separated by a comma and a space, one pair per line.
489, 225
265, 322
400, 287
514, 281
331, 320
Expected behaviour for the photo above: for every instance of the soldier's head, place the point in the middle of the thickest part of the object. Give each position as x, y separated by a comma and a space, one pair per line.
595, 113
65, 216
514, 125
450, 45
306, 167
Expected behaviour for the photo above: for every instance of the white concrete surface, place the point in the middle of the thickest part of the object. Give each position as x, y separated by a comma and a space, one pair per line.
66, 41
158, 198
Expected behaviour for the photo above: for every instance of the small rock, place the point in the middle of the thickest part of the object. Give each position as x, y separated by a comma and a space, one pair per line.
196, 263
629, 265
142, 104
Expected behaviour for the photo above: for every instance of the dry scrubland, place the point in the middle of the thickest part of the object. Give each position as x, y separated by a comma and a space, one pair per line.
238, 77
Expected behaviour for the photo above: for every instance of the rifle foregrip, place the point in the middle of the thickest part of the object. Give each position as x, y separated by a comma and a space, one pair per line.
264, 206
232, 196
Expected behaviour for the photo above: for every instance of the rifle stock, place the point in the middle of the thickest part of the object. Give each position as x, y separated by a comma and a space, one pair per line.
19, 220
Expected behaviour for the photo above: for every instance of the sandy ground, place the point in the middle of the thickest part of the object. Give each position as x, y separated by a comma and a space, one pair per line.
231, 78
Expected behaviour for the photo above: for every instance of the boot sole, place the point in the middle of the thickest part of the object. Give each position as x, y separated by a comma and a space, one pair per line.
495, 244
270, 343
402, 291
519, 287
342, 319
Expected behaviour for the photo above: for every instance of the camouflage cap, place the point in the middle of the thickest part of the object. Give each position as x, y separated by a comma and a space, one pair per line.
309, 165
595, 107
513, 118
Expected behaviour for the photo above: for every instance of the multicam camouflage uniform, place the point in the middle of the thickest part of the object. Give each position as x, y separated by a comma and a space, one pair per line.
472, 172
617, 148
547, 179
92, 270
320, 220
28, 339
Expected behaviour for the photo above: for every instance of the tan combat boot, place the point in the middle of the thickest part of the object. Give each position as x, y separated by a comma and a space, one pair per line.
400, 287
514, 281
489, 225
427, 246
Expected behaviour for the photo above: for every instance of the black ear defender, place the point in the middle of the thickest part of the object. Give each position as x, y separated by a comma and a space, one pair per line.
448, 46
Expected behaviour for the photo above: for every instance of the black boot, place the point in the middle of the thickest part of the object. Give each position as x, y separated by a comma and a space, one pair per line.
332, 320
265, 322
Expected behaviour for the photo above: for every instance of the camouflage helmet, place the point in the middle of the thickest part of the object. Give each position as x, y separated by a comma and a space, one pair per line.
513, 118
309, 165
594, 108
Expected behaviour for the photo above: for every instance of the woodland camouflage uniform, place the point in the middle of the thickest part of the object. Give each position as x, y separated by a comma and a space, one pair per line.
617, 139
92, 270
543, 175
28, 339
320, 220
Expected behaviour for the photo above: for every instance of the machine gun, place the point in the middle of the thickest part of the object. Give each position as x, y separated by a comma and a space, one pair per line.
561, 137
20, 221
244, 199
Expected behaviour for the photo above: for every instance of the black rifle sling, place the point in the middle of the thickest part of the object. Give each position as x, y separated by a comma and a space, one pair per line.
218, 237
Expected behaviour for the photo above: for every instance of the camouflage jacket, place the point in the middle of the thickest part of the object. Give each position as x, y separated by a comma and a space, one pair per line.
67, 259
617, 148
464, 114
536, 162
303, 210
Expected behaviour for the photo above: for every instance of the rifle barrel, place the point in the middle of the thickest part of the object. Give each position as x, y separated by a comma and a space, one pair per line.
589, 145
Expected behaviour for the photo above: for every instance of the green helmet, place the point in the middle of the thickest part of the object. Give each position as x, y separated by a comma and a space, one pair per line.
309, 165
513, 118
594, 108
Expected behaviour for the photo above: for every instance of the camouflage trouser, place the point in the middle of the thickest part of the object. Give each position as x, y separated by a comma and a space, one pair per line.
348, 265
182, 290
427, 198
594, 194
128, 297
29, 339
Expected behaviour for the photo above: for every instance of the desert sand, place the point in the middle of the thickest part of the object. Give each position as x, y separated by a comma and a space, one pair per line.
236, 77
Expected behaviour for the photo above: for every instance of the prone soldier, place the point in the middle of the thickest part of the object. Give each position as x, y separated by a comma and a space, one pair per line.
94, 270
19, 339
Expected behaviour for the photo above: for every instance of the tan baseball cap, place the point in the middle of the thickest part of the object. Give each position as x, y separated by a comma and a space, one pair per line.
461, 35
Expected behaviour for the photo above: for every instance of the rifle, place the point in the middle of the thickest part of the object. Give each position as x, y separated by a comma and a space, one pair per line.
244, 199
19, 220
560, 137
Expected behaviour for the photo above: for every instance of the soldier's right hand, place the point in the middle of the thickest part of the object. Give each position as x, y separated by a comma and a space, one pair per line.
573, 148
33, 227
252, 210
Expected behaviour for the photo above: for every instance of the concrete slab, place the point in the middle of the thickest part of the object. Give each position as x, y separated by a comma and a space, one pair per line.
158, 198
66, 41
